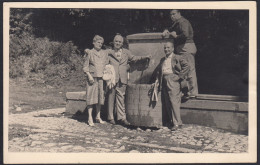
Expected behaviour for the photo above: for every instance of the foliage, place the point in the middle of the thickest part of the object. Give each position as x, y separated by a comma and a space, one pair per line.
38, 59
20, 21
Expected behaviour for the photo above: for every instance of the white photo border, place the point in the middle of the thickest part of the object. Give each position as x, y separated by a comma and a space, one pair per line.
44, 158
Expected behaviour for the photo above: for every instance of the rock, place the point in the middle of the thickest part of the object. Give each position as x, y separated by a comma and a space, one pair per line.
88, 138
221, 150
18, 109
198, 137
139, 129
199, 144
192, 143
120, 149
219, 146
66, 147
154, 151
159, 130
53, 149
16, 139
34, 137
34, 143
49, 87
44, 138
208, 151
207, 141
173, 138
163, 135
134, 151
139, 138
148, 130
207, 147
63, 143
50, 144
124, 138
104, 150
78, 148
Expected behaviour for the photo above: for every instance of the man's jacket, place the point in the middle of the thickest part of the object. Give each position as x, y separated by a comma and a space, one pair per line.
180, 69
121, 66
184, 31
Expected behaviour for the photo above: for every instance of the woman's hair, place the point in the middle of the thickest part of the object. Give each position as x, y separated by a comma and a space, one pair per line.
98, 37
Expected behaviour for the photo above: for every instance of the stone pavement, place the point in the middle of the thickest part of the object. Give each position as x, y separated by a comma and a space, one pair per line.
51, 131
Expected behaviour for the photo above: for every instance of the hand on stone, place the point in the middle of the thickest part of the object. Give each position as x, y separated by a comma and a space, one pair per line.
148, 57
173, 34
165, 33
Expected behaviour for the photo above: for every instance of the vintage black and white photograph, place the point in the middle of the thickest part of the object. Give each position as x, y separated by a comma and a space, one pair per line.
113, 78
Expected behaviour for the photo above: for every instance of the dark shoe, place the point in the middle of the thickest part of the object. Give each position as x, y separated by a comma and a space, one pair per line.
192, 96
112, 122
175, 128
124, 122
185, 97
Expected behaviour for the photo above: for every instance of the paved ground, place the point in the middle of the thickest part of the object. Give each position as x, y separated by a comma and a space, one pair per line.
51, 131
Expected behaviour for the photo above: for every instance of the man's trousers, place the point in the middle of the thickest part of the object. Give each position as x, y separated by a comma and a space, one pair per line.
188, 50
172, 97
116, 100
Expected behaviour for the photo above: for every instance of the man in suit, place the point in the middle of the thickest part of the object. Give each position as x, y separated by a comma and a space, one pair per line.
119, 59
171, 70
182, 32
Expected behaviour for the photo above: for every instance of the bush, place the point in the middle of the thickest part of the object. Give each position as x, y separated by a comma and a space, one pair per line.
16, 67
39, 60
20, 46
43, 61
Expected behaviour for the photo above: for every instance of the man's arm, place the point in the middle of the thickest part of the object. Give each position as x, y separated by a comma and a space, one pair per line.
184, 26
184, 68
107, 61
155, 75
165, 32
133, 58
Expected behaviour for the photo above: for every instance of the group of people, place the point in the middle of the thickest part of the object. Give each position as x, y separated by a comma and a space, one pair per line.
177, 65
96, 60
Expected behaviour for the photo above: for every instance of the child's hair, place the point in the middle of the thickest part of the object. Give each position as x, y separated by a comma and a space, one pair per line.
98, 37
